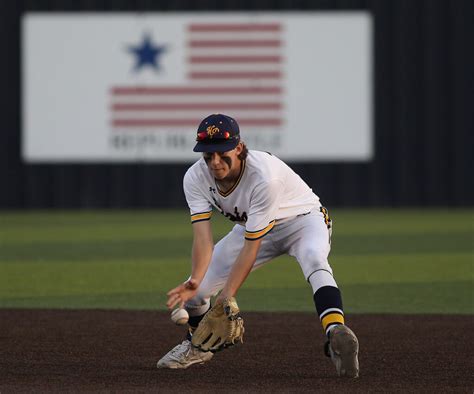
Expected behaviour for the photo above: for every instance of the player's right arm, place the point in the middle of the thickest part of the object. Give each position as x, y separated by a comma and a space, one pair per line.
201, 256
203, 243
203, 246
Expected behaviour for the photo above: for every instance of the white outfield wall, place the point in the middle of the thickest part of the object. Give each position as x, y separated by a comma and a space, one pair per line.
133, 87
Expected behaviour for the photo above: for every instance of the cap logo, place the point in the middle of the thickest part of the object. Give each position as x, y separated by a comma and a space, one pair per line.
211, 130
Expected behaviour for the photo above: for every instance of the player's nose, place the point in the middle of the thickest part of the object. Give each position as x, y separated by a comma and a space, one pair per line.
215, 158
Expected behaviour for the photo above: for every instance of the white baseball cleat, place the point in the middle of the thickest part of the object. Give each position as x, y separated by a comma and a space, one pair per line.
343, 348
183, 356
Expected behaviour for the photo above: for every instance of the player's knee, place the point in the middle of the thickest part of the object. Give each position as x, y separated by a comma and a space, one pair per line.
315, 260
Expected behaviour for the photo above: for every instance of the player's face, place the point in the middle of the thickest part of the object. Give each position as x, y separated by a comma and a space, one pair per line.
224, 164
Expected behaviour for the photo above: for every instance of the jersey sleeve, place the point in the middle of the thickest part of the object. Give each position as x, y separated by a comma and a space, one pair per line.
200, 208
264, 204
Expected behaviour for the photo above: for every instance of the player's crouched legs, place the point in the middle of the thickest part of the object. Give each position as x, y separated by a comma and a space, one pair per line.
184, 354
342, 346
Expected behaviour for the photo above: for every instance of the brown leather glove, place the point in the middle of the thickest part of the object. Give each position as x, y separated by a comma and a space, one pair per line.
221, 327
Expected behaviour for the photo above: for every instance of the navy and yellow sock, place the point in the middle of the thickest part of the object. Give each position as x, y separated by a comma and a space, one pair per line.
328, 302
193, 323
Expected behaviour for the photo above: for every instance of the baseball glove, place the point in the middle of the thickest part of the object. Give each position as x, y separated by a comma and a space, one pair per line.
221, 327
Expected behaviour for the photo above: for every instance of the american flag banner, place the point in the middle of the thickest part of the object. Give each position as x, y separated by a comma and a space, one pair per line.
106, 87
232, 68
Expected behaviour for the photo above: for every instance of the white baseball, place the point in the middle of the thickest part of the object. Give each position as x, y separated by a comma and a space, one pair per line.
179, 316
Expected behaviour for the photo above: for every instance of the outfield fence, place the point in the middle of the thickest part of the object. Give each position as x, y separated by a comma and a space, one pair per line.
422, 101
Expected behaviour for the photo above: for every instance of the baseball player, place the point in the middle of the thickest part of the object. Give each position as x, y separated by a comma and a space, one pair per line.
275, 212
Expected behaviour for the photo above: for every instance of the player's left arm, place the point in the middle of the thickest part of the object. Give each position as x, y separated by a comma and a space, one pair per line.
264, 205
223, 325
241, 269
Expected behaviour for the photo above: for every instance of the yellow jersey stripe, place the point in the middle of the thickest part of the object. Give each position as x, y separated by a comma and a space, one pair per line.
254, 235
332, 318
198, 217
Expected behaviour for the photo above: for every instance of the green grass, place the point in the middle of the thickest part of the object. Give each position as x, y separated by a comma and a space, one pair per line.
385, 261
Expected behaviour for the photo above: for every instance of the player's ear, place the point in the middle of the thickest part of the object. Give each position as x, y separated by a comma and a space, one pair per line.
239, 148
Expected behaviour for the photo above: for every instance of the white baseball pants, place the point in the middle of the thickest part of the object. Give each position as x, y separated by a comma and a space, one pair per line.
305, 237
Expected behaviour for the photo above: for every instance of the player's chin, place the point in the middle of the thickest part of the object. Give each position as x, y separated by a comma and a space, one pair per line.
219, 174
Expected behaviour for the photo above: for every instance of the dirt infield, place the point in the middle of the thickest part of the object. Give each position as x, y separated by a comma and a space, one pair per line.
116, 351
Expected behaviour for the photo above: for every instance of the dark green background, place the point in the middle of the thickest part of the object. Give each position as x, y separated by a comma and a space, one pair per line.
385, 261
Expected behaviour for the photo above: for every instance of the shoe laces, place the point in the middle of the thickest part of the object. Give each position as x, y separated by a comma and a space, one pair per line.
184, 347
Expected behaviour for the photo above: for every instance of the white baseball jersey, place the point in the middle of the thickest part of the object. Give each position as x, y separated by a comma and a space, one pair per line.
267, 191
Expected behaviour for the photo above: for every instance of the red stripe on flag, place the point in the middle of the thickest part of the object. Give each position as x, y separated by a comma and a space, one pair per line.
244, 27
189, 122
234, 43
231, 90
234, 59
235, 75
195, 106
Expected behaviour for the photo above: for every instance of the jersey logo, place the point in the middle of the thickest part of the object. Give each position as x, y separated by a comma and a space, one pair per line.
235, 217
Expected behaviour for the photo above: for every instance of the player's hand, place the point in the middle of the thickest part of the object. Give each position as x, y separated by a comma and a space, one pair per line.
182, 293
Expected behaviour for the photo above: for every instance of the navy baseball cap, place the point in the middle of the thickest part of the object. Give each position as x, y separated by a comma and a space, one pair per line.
217, 133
